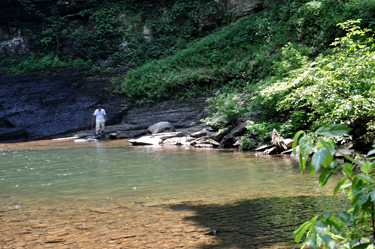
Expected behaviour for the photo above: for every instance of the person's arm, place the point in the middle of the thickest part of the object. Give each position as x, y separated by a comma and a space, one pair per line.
94, 114
105, 118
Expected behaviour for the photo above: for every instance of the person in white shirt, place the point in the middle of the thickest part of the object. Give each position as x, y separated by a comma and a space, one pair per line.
101, 118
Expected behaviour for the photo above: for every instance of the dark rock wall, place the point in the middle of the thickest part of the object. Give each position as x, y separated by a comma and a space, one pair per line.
34, 107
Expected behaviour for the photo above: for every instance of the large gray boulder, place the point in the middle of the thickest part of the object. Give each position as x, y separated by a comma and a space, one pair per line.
161, 127
230, 138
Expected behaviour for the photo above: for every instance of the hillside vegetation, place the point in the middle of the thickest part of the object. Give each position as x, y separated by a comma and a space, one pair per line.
298, 66
295, 66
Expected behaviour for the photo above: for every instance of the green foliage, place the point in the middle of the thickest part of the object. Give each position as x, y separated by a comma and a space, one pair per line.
42, 65
110, 29
335, 88
261, 130
226, 108
350, 226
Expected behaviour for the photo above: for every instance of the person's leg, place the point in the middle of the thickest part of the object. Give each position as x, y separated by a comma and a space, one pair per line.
97, 128
102, 127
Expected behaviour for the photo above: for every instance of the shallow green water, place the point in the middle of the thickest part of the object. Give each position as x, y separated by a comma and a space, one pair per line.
86, 194
115, 170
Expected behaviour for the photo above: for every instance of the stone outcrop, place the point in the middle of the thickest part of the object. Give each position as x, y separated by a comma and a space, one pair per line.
35, 107
161, 127
244, 8
180, 114
278, 145
230, 138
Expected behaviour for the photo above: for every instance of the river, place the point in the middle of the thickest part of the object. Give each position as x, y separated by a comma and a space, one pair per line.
109, 194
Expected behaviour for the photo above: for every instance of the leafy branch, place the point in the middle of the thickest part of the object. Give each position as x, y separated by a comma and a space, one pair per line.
354, 228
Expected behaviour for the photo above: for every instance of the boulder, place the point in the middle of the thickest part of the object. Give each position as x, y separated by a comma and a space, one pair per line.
218, 136
164, 136
161, 127
237, 143
205, 140
273, 150
147, 140
131, 134
264, 147
177, 141
288, 142
155, 139
199, 134
286, 152
229, 139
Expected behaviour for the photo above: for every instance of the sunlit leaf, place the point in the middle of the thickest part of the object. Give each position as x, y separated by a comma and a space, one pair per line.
347, 168
300, 231
318, 158
338, 186
295, 140
371, 152
332, 130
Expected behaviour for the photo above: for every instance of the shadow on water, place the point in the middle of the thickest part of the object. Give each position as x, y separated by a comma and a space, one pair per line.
259, 223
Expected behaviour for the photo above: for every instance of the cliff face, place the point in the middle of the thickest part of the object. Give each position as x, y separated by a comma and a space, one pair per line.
37, 107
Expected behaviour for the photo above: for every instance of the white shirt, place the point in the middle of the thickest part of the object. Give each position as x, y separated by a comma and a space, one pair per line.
100, 115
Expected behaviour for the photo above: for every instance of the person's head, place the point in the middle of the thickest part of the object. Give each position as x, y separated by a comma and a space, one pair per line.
99, 107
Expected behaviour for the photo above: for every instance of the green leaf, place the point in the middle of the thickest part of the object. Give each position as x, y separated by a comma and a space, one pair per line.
338, 186
318, 158
295, 140
350, 159
328, 145
321, 230
365, 177
371, 152
363, 199
305, 146
325, 215
335, 228
324, 176
332, 130
362, 246
347, 168
311, 240
366, 167
344, 217
300, 231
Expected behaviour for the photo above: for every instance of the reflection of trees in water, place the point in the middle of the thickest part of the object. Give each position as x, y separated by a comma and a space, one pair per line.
259, 222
